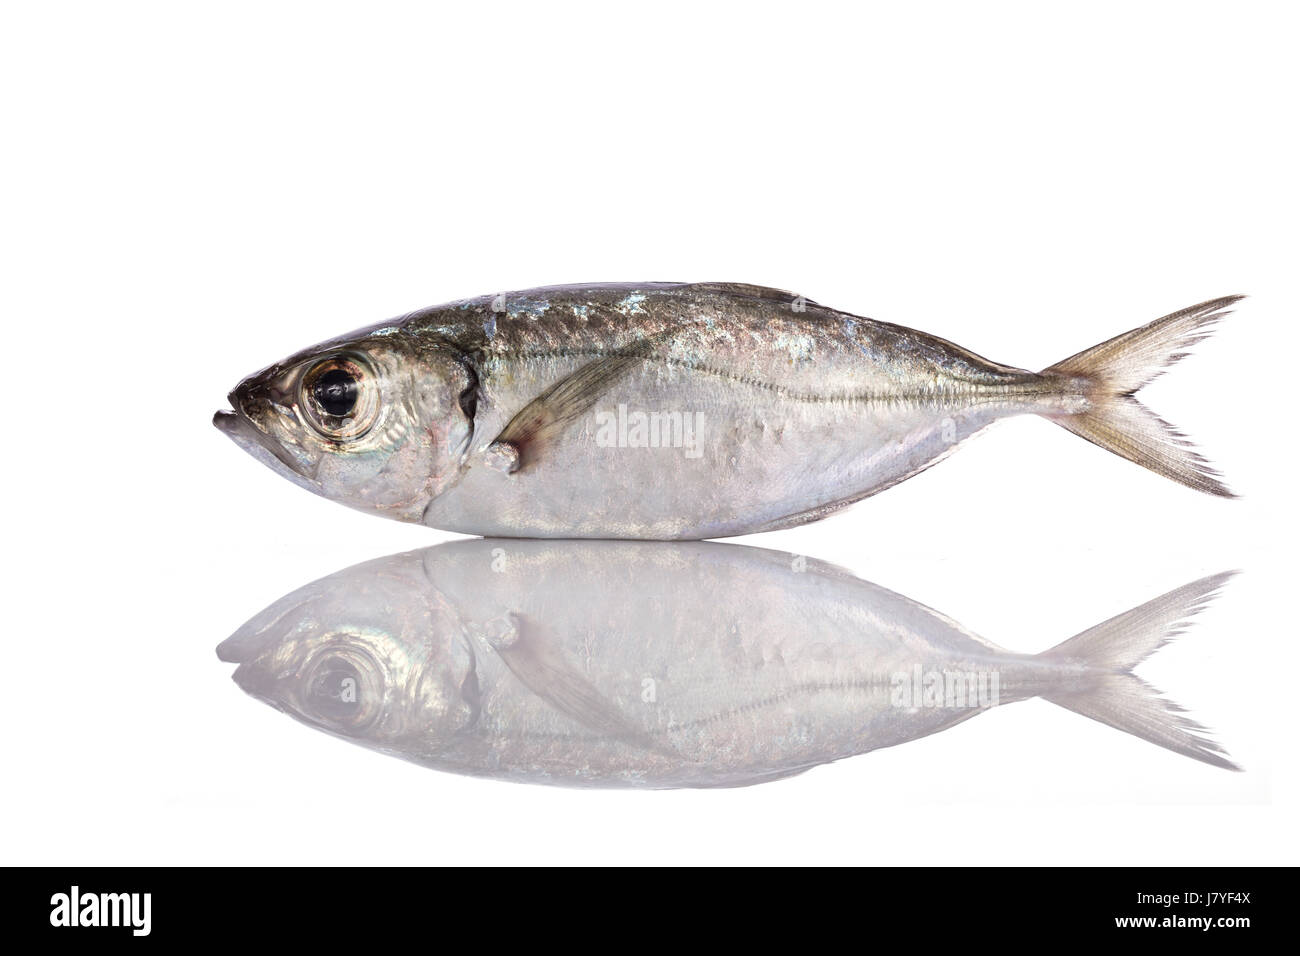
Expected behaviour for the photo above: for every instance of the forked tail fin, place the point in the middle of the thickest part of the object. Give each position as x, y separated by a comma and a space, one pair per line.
1124, 701
1118, 422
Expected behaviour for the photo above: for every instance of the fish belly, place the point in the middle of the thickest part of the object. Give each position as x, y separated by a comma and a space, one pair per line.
760, 668
672, 453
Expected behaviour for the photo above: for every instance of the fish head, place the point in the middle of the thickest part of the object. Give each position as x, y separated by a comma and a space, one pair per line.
375, 420
372, 654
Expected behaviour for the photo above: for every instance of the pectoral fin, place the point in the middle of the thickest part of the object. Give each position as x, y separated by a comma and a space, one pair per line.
547, 674
543, 420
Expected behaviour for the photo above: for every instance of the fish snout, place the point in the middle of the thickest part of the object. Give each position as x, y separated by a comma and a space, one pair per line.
256, 410
261, 393
226, 421
241, 646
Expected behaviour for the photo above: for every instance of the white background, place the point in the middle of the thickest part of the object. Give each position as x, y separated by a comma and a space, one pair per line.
190, 193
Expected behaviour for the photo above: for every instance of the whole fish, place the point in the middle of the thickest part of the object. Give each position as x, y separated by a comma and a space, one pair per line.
668, 410
660, 664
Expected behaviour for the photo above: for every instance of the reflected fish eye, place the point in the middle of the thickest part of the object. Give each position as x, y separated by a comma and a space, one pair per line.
339, 397
335, 690
343, 686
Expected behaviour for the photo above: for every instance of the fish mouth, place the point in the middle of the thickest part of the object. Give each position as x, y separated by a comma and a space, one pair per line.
246, 643
259, 685
267, 627
231, 651
239, 428
247, 679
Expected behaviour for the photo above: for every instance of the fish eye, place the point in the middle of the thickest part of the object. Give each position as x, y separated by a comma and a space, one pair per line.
339, 397
335, 392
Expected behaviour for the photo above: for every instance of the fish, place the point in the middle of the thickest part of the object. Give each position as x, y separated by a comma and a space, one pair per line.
660, 665
670, 411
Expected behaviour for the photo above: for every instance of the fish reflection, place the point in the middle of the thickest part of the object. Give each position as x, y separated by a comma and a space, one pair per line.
656, 664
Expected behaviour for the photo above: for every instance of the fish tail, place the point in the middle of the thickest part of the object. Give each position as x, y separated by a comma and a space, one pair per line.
1108, 692
1110, 373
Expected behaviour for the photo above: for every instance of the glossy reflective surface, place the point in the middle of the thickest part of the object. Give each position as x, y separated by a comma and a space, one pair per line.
655, 664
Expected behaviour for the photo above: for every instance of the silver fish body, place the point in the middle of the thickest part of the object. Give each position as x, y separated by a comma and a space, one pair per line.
655, 665
664, 411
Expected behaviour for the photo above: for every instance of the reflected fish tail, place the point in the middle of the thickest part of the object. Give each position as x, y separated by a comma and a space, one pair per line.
1125, 701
